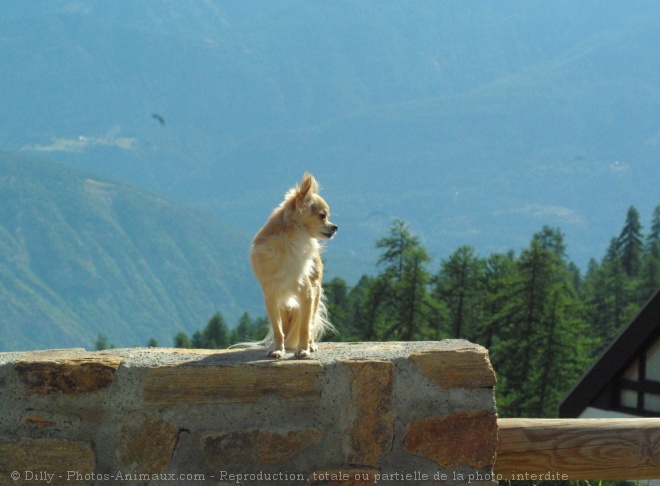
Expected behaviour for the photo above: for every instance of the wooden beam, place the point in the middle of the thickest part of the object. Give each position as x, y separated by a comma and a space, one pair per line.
578, 448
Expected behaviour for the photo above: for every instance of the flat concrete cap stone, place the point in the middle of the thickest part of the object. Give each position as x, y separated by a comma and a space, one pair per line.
328, 353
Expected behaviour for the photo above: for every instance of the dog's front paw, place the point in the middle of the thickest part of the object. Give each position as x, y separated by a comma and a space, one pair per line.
277, 353
302, 353
313, 347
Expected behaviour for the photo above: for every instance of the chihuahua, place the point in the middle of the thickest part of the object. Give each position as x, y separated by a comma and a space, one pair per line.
286, 259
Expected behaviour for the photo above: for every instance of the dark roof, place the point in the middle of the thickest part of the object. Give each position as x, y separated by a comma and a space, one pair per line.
642, 331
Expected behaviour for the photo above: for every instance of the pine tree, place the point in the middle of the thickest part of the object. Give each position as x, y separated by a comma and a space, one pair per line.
541, 343
596, 298
607, 292
181, 340
336, 294
617, 284
399, 302
613, 285
500, 280
653, 238
102, 343
261, 327
244, 330
215, 333
198, 341
534, 279
460, 285
562, 350
552, 239
612, 252
630, 243
649, 281
379, 304
414, 305
360, 324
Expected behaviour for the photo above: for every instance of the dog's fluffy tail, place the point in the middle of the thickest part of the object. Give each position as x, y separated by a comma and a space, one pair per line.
322, 324
321, 327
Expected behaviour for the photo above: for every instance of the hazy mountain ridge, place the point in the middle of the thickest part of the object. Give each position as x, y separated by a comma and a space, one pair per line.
475, 123
83, 255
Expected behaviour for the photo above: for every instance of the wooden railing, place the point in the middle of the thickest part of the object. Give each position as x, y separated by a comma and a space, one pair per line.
537, 449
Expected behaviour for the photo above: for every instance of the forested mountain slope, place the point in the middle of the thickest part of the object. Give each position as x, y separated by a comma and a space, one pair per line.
83, 255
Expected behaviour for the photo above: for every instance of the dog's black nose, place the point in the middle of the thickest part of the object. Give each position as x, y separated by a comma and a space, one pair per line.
334, 228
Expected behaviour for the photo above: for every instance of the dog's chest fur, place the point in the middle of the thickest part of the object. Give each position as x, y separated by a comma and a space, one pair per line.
300, 260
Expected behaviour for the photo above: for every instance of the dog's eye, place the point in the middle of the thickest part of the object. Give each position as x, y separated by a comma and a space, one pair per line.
323, 216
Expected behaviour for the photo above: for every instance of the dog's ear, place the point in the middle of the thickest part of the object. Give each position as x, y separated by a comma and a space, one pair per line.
308, 186
298, 198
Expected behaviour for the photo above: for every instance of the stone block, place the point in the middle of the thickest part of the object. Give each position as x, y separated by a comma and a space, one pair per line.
464, 367
460, 438
31, 461
59, 372
250, 447
148, 447
287, 380
372, 430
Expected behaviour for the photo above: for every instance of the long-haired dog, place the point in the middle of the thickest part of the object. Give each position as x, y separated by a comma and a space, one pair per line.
286, 260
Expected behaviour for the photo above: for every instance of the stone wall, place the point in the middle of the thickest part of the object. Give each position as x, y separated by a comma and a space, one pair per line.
356, 414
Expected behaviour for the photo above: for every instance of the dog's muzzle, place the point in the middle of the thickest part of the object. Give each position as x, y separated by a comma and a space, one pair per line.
329, 231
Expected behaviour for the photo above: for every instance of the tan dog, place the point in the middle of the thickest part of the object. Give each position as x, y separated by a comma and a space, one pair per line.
286, 259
